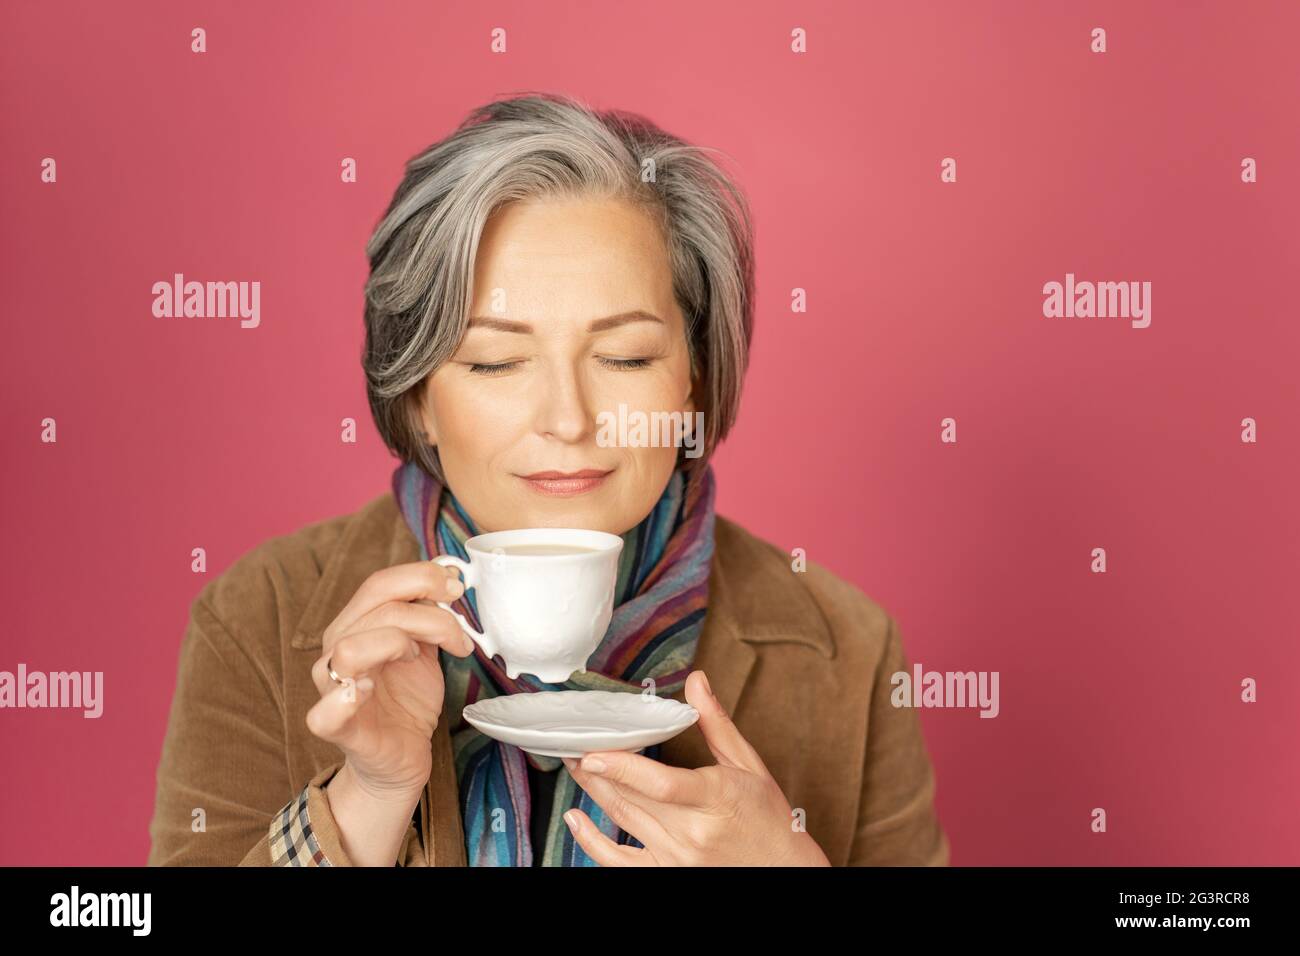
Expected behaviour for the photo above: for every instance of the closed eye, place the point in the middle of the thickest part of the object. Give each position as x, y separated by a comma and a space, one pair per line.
498, 369
626, 364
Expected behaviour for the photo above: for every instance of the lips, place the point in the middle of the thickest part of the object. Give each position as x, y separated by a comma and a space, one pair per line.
564, 484
557, 475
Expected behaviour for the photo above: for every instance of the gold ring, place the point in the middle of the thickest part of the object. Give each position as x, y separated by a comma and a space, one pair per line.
333, 676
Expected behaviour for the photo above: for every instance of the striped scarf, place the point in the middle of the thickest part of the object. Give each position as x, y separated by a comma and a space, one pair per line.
659, 607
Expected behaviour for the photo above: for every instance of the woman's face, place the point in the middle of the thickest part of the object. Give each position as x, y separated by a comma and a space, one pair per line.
573, 314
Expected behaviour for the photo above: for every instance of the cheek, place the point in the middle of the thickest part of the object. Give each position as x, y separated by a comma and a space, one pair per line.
662, 388
475, 421
646, 468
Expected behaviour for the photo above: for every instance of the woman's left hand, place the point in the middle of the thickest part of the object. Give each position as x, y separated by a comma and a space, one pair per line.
731, 814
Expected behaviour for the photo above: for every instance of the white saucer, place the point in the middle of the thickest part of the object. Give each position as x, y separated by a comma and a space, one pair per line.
571, 723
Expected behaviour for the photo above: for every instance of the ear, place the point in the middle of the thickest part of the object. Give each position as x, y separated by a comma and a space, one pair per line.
689, 408
689, 405
423, 416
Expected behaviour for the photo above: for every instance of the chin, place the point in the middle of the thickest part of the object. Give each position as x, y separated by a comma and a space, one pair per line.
571, 515
596, 509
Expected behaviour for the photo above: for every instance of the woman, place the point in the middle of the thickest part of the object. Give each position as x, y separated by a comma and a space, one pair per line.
543, 265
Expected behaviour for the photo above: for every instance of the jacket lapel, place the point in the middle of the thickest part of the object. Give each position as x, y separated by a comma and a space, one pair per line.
753, 599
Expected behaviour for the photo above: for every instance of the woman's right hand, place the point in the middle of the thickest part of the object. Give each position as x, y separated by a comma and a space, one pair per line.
387, 639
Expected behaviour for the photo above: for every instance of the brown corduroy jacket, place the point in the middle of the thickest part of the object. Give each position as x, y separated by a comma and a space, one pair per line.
801, 660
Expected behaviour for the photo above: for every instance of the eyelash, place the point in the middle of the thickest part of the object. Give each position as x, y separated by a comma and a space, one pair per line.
626, 365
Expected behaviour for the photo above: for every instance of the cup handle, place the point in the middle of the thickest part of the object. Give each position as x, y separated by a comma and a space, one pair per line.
470, 577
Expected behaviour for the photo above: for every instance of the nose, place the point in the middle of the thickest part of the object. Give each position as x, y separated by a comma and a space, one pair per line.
562, 411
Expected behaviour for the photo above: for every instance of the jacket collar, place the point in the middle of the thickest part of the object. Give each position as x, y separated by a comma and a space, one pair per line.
373, 538
754, 598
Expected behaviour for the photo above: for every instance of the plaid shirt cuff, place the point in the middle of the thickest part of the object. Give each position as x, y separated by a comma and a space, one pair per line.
303, 832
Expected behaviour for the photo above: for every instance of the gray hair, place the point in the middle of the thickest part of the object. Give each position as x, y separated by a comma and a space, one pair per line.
422, 252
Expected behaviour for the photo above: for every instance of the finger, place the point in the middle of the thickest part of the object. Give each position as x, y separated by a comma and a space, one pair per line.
401, 582
425, 622
623, 807
720, 732
610, 793
600, 847
333, 717
363, 654
655, 781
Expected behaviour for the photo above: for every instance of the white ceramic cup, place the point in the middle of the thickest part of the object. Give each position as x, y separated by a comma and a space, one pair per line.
542, 613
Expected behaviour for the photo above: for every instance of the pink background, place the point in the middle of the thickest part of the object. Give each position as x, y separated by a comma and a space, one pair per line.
925, 301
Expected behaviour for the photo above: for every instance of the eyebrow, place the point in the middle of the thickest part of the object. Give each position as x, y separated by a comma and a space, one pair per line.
598, 325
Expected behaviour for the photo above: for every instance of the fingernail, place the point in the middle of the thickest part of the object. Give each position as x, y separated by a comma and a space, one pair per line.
593, 764
571, 819
707, 688
457, 588
570, 763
